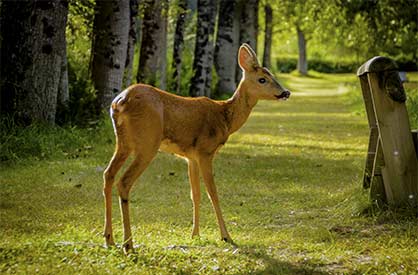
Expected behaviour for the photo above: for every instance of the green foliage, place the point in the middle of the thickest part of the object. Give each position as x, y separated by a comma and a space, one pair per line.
392, 25
411, 88
43, 142
287, 65
348, 31
82, 107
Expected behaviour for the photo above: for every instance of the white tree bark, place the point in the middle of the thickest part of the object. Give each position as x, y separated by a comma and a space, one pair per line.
152, 62
248, 26
111, 29
226, 47
203, 54
33, 55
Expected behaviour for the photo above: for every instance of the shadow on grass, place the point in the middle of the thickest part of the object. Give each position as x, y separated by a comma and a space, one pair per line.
276, 266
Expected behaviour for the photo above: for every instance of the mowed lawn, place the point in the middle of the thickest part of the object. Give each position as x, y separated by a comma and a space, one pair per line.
290, 188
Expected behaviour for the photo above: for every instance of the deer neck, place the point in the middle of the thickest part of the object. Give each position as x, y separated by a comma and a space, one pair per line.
239, 107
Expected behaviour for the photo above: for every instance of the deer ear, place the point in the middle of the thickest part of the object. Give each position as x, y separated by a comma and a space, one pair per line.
247, 59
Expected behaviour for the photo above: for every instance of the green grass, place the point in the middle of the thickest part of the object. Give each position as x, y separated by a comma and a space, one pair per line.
290, 190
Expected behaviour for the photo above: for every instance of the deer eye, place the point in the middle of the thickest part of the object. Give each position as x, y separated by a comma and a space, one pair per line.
262, 80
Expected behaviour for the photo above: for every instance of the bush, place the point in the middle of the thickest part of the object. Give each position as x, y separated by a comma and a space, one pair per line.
412, 105
82, 106
39, 141
287, 65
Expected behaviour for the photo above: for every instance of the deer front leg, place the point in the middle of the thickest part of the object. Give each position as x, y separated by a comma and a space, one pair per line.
205, 165
115, 164
195, 194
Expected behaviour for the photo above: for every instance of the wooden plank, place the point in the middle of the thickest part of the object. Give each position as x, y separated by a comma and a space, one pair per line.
374, 134
400, 172
415, 140
378, 192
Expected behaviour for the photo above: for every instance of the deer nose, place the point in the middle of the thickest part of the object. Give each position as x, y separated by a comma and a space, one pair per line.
286, 93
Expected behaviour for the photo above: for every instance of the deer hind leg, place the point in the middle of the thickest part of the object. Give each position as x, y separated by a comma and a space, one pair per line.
118, 159
144, 154
205, 165
195, 194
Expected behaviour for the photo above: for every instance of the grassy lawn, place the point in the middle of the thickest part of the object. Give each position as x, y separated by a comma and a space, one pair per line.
290, 190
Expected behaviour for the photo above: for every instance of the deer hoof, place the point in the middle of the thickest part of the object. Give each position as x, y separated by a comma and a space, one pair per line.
128, 248
109, 240
228, 240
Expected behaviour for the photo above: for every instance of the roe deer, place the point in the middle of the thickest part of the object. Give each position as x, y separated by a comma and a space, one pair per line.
147, 119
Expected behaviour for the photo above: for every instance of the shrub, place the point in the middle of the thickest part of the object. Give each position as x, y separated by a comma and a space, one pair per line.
287, 65
39, 141
412, 105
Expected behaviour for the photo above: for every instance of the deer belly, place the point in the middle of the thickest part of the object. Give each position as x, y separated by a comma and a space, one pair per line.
171, 147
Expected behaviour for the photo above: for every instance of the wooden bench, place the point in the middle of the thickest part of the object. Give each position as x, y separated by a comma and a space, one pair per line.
391, 169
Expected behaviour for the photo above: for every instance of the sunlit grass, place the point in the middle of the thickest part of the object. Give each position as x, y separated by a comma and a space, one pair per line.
290, 190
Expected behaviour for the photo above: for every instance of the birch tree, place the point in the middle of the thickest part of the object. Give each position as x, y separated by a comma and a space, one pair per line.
178, 45
248, 26
203, 54
33, 59
226, 46
110, 29
152, 62
268, 32
132, 39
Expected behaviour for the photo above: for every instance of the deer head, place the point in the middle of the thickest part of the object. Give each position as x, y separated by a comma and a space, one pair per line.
261, 80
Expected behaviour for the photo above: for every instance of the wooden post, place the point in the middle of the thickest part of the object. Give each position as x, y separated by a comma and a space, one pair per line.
415, 139
372, 177
391, 166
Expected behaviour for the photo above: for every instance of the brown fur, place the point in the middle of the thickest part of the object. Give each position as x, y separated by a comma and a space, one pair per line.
147, 119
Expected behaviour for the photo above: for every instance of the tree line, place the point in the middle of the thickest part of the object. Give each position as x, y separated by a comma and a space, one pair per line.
34, 78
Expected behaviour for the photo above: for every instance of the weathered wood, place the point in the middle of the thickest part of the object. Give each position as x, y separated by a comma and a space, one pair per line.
374, 133
394, 151
372, 177
377, 64
415, 140
378, 192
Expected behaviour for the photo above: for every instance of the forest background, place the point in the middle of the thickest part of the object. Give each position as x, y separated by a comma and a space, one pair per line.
62, 62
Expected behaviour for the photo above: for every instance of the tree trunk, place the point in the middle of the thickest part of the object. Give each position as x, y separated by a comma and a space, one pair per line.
249, 23
32, 54
178, 45
132, 39
268, 36
302, 61
203, 54
226, 47
248, 26
111, 29
63, 97
152, 61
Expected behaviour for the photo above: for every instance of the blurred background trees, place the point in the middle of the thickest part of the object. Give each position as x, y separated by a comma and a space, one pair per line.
56, 70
